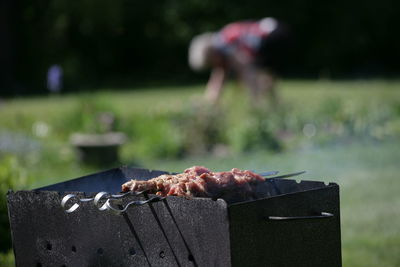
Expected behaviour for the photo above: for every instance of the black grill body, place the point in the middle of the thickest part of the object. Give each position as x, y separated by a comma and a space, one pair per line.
283, 228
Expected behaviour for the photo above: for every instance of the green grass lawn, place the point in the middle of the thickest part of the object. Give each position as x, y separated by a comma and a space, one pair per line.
366, 169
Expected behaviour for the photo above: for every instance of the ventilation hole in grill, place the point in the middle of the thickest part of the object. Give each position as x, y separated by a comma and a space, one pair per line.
100, 251
162, 254
73, 248
191, 258
132, 252
38, 264
49, 246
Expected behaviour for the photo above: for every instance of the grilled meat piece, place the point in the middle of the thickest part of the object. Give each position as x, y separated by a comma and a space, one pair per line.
199, 181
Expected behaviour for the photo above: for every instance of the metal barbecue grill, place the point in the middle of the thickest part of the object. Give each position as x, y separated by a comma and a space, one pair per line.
291, 224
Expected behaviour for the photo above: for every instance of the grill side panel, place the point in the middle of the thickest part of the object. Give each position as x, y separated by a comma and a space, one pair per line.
257, 240
196, 229
44, 235
173, 232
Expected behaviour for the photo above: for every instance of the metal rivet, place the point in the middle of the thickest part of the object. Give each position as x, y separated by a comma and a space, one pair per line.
162, 254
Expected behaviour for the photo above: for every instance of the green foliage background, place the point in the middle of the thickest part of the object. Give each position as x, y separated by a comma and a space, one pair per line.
125, 42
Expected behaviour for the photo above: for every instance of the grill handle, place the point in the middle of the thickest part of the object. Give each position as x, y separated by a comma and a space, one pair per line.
322, 215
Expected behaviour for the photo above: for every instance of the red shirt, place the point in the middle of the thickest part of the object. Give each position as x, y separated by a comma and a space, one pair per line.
244, 36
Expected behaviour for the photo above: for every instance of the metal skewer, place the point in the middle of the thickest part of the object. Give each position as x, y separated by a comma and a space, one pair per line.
75, 206
109, 205
100, 200
265, 174
103, 200
287, 175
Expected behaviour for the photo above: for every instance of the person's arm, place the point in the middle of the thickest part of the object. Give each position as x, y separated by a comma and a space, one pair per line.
215, 84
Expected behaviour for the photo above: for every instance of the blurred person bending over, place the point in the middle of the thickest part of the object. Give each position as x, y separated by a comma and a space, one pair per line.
252, 50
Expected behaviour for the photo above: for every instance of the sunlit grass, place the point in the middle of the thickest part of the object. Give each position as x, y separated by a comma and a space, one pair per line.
366, 170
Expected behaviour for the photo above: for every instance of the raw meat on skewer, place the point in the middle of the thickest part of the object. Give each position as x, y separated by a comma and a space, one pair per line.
199, 181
